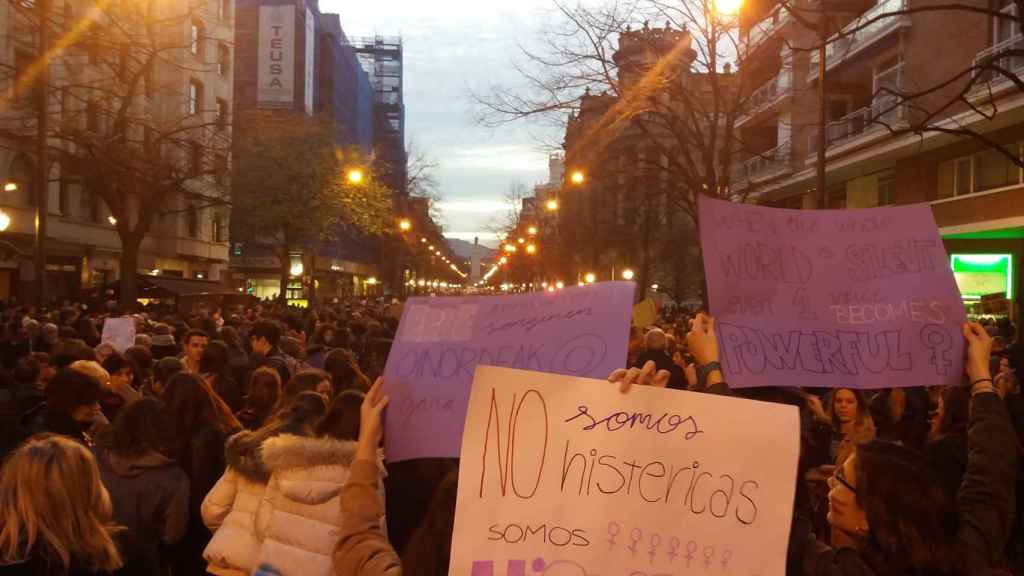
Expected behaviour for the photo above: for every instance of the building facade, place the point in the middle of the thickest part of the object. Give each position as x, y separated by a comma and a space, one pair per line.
909, 119
189, 87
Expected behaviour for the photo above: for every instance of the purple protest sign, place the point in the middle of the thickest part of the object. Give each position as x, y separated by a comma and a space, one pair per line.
831, 298
576, 332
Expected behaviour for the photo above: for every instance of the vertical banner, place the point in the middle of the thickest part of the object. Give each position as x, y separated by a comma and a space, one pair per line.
275, 76
577, 331
831, 298
564, 476
309, 61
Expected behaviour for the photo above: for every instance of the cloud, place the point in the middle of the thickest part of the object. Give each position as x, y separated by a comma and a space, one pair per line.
474, 206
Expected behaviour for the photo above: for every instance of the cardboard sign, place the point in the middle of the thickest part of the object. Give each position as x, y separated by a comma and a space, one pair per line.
565, 476
119, 332
577, 331
832, 298
645, 313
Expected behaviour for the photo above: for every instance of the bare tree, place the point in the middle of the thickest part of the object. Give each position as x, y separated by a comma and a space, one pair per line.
122, 125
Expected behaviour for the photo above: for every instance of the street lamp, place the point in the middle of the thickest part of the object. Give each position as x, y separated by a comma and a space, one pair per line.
552, 205
578, 177
404, 225
510, 248
10, 186
355, 176
627, 274
590, 278
559, 285
112, 220
532, 230
521, 240
728, 7
5, 221
531, 249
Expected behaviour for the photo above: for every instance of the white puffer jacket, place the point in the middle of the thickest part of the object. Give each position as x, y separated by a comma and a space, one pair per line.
229, 509
300, 517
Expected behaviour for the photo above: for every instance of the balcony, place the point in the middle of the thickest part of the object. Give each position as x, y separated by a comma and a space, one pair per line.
867, 29
1005, 55
887, 110
767, 95
770, 163
764, 29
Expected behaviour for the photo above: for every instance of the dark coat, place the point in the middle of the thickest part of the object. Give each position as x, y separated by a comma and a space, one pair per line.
204, 464
912, 429
985, 506
677, 380
40, 419
274, 359
150, 497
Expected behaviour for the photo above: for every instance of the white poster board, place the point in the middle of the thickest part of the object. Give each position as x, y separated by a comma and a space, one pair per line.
275, 76
564, 476
119, 332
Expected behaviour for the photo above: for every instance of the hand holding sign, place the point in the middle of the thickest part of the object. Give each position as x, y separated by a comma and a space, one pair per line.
370, 426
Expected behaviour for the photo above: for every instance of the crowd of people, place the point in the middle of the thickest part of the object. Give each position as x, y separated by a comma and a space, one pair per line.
248, 441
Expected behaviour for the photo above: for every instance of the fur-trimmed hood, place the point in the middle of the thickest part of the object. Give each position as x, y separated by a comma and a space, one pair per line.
308, 471
243, 453
289, 451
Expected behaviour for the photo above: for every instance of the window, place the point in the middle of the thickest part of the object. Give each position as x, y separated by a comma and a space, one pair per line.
837, 197
92, 116
1004, 29
195, 96
195, 159
88, 205
220, 168
887, 190
219, 229
63, 200
987, 170
196, 39
223, 60
192, 222
222, 113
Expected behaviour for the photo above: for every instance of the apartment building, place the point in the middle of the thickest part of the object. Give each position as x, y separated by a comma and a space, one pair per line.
915, 113
187, 91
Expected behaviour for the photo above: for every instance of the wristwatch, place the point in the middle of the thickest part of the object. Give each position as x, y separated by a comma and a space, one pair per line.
706, 369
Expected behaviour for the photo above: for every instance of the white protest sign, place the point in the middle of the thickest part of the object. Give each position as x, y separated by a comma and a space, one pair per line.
566, 476
119, 332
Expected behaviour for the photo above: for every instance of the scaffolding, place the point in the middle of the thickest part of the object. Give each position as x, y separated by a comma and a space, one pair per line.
381, 57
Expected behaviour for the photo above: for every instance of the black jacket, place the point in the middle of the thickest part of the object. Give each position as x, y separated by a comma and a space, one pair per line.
40, 419
204, 464
274, 359
149, 494
986, 506
677, 380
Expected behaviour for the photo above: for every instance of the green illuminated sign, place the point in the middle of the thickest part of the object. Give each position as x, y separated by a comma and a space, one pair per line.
978, 275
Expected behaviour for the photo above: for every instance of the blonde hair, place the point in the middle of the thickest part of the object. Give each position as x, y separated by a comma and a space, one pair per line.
93, 369
53, 504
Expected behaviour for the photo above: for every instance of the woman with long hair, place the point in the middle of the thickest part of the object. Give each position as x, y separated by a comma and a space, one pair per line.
71, 408
215, 368
55, 514
149, 491
200, 425
851, 422
264, 395
300, 518
229, 509
345, 372
309, 380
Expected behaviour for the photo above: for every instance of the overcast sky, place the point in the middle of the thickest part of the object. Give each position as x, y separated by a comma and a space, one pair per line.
453, 47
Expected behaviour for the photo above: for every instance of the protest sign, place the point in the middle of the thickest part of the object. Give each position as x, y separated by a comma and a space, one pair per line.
831, 298
564, 476
576, 331
645, 313
119, 332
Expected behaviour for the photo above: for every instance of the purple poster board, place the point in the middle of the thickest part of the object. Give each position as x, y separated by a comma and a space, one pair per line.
580, 331
831, 298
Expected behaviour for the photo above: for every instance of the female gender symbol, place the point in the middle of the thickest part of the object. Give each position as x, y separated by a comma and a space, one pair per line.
613, 532
709, 554
635, 537
691, 549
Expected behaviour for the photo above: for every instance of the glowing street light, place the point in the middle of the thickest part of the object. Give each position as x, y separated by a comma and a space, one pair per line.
627, 274
404, 225
552, 205
112, 220
10, 186
510, 248
5, 221
532, 230
590, 278
728, 7
521, 240
559, 285
355, 176
423, 240
531, 249
578, 177
503, 260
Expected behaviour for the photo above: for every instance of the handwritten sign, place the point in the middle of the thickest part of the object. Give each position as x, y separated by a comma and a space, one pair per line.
831, 298
440, 342
119, 332
564, 476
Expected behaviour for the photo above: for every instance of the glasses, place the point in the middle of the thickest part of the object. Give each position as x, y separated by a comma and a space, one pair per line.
840, 477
